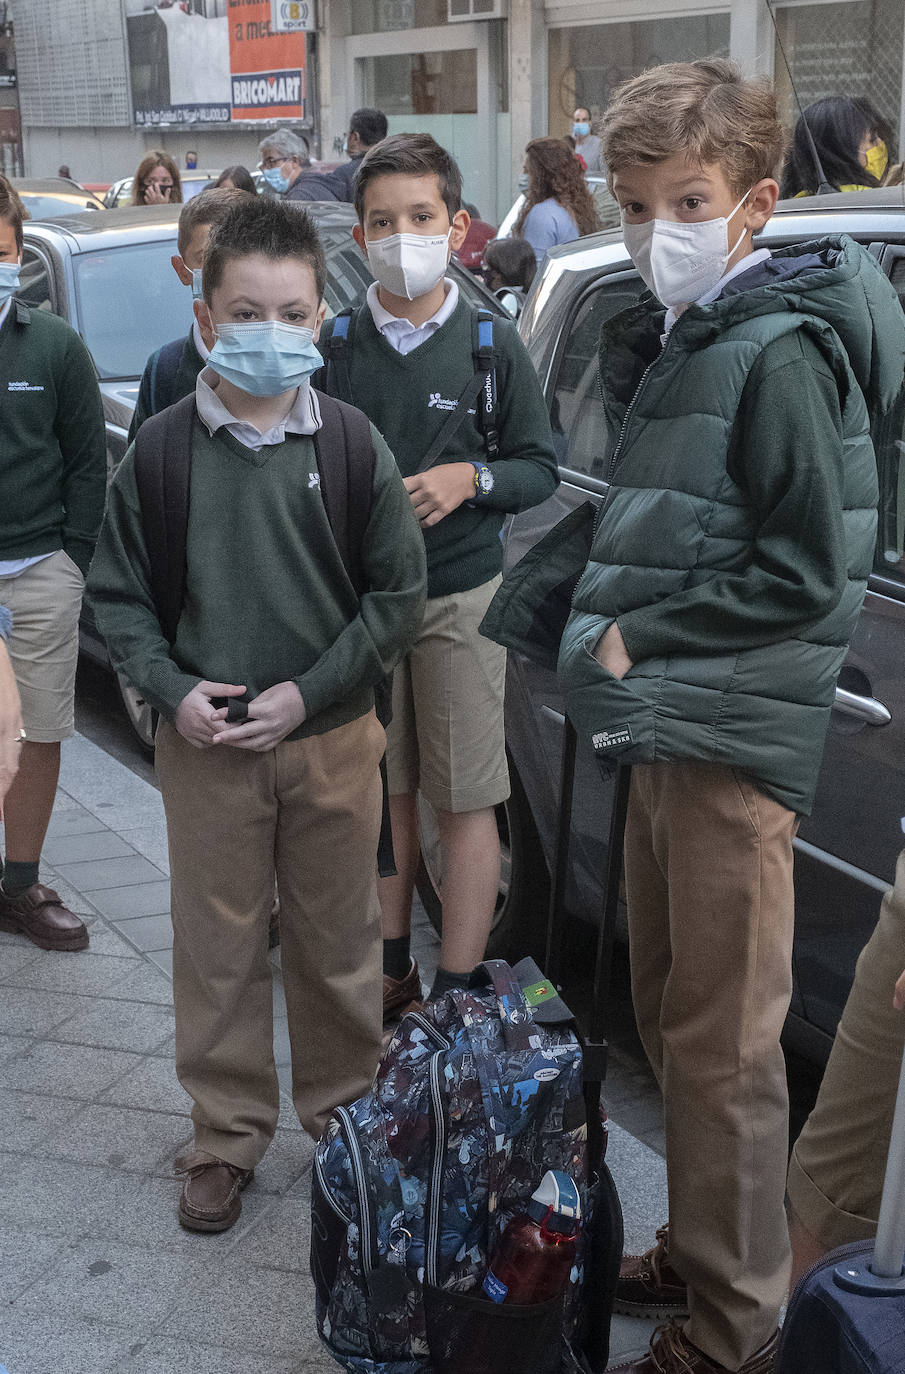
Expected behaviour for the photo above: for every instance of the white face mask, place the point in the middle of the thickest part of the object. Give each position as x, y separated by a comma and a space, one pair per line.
409, 265
681, 262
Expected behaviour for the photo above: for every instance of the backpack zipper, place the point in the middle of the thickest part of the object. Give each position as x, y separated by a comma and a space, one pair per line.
439, 1039
435, 1190
366, 1226
325, 1189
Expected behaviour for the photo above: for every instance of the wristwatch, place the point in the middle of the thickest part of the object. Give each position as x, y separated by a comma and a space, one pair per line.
483, 479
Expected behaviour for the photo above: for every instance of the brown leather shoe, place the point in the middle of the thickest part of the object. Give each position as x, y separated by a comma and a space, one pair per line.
210, 1198
649, 1286
398, 992
671, 1352
38, 913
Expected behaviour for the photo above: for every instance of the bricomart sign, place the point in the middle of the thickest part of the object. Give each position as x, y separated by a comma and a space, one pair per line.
267, 69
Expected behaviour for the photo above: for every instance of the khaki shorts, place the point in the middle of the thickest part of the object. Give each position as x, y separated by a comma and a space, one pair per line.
446, 737
45, 601
837, 1166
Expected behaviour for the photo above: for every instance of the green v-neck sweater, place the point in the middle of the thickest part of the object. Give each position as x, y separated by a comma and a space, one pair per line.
409, 397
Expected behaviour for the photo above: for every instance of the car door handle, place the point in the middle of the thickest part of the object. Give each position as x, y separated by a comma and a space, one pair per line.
862, 708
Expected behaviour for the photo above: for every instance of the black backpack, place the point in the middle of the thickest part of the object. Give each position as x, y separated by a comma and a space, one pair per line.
163, 475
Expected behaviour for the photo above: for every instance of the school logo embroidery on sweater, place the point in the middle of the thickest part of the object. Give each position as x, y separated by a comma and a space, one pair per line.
612, 739
314, 480
441, 402
23, 386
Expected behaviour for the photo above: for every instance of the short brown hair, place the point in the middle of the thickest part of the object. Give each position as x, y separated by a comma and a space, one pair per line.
156, 158
706, 110
273, 228
11, 211
411, 155
209, 207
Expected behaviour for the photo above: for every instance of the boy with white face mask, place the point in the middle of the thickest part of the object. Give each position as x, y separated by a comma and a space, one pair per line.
706, 635
409, 361
288, 787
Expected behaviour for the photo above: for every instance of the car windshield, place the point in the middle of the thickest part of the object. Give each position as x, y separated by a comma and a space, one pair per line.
130, 300
48, 206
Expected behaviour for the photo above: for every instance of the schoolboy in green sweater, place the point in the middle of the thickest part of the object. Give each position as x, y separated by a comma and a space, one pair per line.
53, 473
293, 793
410, 358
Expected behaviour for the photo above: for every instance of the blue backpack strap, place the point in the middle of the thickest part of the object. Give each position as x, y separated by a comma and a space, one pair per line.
339, 379
485, 364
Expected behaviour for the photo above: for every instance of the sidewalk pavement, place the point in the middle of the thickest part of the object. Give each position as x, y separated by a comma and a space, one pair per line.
95, 1271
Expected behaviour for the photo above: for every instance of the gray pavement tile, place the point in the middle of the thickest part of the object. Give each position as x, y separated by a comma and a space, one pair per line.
142, 899
149, 1221
16, 956
153, 1085
286, 1163
105, 788
640, 1117
63, 1343
247, 1309
78, 1071
630, 1336
118, 1025
12, 1044
27, 1011
164, 1355
103, 939
96, 875
95, 844
70, 896
29, 1118
74, 820
640, 1177
163, 958
280, 1240
120, 1138
288, 1118
85, 973
148, 932
24, 1256
147, 984
282, 1051
151, 840
118, 1285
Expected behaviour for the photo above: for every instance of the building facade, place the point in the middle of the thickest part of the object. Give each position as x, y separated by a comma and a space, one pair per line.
483, 76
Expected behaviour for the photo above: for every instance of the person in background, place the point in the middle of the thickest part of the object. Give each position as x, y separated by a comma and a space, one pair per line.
366, 127
852, 141
156, 181
835, 1178
170, 373
11, 733
284, 164
53, 475
63, 171
479, 235
558, 205
191, 160
570, 141
509, 267
587, 145
237, 178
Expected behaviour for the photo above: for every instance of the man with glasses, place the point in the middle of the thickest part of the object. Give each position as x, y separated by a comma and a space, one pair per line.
284, 157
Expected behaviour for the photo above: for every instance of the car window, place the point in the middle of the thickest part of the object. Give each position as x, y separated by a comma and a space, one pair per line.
889, 442
34, 281
49, 206
130, 301
576, 410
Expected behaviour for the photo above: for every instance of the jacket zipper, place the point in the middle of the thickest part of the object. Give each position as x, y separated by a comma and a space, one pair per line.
366, 1227
325, 1189
435, 1190
630, 407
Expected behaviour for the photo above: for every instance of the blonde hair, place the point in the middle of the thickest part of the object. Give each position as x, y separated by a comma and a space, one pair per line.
156, 158
706, 110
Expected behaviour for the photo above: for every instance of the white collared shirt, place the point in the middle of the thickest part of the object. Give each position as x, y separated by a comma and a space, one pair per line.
401, 334
750, 260
303, 418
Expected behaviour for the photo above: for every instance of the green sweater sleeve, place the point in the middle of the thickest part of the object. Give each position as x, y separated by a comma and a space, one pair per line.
786, 451
79, 431
391, 610
526, 471
119, 588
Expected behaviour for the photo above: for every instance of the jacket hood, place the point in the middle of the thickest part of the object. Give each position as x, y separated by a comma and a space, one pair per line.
833, 280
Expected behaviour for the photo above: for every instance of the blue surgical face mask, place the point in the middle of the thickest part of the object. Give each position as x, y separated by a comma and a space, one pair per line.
9, 280
197, 293
274, 177
265, 357
580, 129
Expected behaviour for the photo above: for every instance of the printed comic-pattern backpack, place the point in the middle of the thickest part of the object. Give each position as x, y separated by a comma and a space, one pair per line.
477, 1096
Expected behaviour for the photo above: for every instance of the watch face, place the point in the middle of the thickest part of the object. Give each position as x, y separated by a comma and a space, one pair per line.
485, 481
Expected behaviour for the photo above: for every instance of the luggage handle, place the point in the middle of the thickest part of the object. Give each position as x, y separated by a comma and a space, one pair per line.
515, 1014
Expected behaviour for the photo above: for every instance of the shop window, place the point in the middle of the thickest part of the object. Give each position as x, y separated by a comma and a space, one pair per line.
386, 16
424, 83
589, 61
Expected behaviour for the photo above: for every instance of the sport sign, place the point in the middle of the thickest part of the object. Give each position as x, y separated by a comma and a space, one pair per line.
267, 69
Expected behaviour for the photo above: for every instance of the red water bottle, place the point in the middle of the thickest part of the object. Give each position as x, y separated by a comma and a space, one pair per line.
537, 1249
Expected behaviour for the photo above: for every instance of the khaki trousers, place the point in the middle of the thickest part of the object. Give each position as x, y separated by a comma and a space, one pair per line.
708, 870
837, 1166
307, 813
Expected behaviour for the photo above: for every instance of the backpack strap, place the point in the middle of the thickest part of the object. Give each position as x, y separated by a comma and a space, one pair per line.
165, 366
485, 364
163, 474
339, 380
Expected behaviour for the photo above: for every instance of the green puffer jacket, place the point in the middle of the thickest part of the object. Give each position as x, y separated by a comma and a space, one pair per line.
678, 514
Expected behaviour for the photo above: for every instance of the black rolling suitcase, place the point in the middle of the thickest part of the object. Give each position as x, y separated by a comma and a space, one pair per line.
605, 1230
847, 1313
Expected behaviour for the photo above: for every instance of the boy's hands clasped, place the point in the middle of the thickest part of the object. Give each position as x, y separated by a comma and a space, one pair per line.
271, 716
440, 490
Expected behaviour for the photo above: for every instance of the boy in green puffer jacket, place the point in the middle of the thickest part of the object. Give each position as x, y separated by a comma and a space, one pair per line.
725, 578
